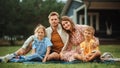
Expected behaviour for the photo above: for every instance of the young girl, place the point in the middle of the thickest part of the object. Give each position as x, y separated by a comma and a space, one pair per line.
90, 51
41, 46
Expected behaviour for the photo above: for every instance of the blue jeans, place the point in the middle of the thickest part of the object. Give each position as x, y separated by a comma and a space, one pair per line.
33, 57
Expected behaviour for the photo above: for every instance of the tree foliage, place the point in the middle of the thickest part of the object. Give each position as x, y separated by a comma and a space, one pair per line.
20, 18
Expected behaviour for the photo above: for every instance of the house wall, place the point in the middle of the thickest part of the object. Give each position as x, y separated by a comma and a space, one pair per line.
109, 19
108, 22
74, 5
103, 5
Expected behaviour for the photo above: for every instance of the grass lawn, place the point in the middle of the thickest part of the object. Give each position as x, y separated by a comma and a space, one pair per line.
114, 49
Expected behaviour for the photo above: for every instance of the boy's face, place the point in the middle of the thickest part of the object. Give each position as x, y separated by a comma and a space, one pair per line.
53, 20
40, 33
88, 34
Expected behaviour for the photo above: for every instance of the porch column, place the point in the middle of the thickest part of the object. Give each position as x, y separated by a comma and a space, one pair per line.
75, 16
78, 9
85, 15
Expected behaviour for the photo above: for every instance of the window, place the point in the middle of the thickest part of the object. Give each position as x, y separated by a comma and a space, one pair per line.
92, 20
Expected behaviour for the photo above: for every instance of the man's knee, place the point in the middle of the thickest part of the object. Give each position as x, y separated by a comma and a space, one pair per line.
21, 51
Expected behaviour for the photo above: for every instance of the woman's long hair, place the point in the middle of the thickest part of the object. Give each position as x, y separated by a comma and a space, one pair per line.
66, 18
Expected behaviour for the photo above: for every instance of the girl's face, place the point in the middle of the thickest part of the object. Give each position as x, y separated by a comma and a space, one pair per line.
40, 34
87, 34
66, 25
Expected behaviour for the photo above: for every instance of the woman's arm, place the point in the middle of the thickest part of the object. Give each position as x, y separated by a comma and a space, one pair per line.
96, 42
47, 53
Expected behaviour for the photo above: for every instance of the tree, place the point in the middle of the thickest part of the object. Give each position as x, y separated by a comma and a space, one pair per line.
20, 18
48, 6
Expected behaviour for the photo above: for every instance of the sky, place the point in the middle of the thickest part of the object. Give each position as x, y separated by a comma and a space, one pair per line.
62, 0
58, 0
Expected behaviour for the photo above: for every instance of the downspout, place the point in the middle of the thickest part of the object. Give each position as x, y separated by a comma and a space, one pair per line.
74, 16
85, 15
85, 12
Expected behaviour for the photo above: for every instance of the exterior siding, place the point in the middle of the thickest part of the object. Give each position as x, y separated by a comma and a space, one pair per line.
74, 5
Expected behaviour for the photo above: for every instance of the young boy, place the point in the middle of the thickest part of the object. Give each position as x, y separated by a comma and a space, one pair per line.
89, 49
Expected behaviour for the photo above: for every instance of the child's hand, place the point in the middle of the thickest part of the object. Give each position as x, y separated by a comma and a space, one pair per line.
84, 59
82, 50
93, 51
94, 45
44, 60
79, 50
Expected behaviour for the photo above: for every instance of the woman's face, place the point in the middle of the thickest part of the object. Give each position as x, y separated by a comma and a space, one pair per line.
66, 25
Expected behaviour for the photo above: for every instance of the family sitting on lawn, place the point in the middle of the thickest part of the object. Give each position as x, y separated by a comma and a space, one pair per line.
63, 40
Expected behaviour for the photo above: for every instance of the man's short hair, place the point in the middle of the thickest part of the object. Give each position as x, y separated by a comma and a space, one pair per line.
52, 14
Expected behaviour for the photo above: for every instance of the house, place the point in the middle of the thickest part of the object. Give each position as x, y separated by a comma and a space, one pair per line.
103, 15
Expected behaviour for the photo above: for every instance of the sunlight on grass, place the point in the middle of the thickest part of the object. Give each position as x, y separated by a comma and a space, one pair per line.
114, 49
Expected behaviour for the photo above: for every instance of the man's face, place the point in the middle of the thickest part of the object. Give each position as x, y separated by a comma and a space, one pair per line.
53, 20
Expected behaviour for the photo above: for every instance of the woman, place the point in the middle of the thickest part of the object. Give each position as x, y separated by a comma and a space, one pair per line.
75, 38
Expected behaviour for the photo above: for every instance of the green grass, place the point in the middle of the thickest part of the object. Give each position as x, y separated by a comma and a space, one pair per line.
114, 49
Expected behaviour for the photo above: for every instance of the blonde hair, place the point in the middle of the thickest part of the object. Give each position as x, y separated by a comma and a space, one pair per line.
53, 14
90, 29
39, 26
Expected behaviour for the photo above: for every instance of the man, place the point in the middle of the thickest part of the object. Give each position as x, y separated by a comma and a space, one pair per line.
58, 36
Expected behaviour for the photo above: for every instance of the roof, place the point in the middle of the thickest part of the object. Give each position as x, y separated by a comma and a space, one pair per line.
109, 2
65, 8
